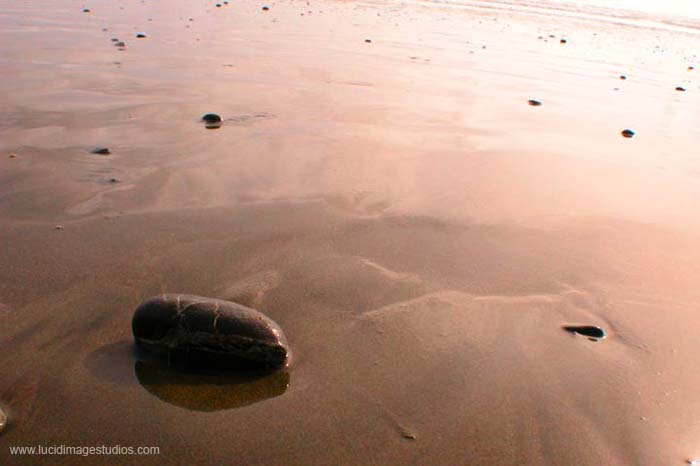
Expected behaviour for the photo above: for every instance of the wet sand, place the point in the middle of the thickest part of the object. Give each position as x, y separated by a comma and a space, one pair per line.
418, 230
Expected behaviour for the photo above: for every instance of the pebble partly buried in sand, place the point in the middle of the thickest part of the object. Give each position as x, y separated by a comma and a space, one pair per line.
212, 121
206, 333
628, 133
590, 331
101, 151
534, 103
211, 118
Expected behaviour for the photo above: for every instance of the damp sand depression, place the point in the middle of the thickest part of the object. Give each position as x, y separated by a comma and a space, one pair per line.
381, 186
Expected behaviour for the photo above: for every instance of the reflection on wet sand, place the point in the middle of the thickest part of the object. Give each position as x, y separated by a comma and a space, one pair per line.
208, 392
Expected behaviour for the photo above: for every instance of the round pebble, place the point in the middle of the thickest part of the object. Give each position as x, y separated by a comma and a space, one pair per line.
86, 10
534, 103
212, 121
211, 118
623, 77
628, 133
265, 8
369, 41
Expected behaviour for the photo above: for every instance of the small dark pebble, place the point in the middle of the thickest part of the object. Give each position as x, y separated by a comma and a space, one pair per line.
691, 68
101, 151
114, 39
58, 227
141, 36
120, 44
369, 41
623, 77
86, 10
534, 103
218, 5
212, 121
563, 41
113, 180
586, 330
680, 89
211, 118
628, 133
265, 8
12, 156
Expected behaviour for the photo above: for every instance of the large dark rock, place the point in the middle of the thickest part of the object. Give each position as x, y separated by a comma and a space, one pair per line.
205, 333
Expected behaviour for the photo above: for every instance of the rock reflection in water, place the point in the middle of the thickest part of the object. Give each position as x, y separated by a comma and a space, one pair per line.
208, 392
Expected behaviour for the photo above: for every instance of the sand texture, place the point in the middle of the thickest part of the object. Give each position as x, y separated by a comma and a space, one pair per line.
382, 190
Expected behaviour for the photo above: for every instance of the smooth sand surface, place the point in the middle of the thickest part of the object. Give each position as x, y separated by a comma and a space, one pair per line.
418, 230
